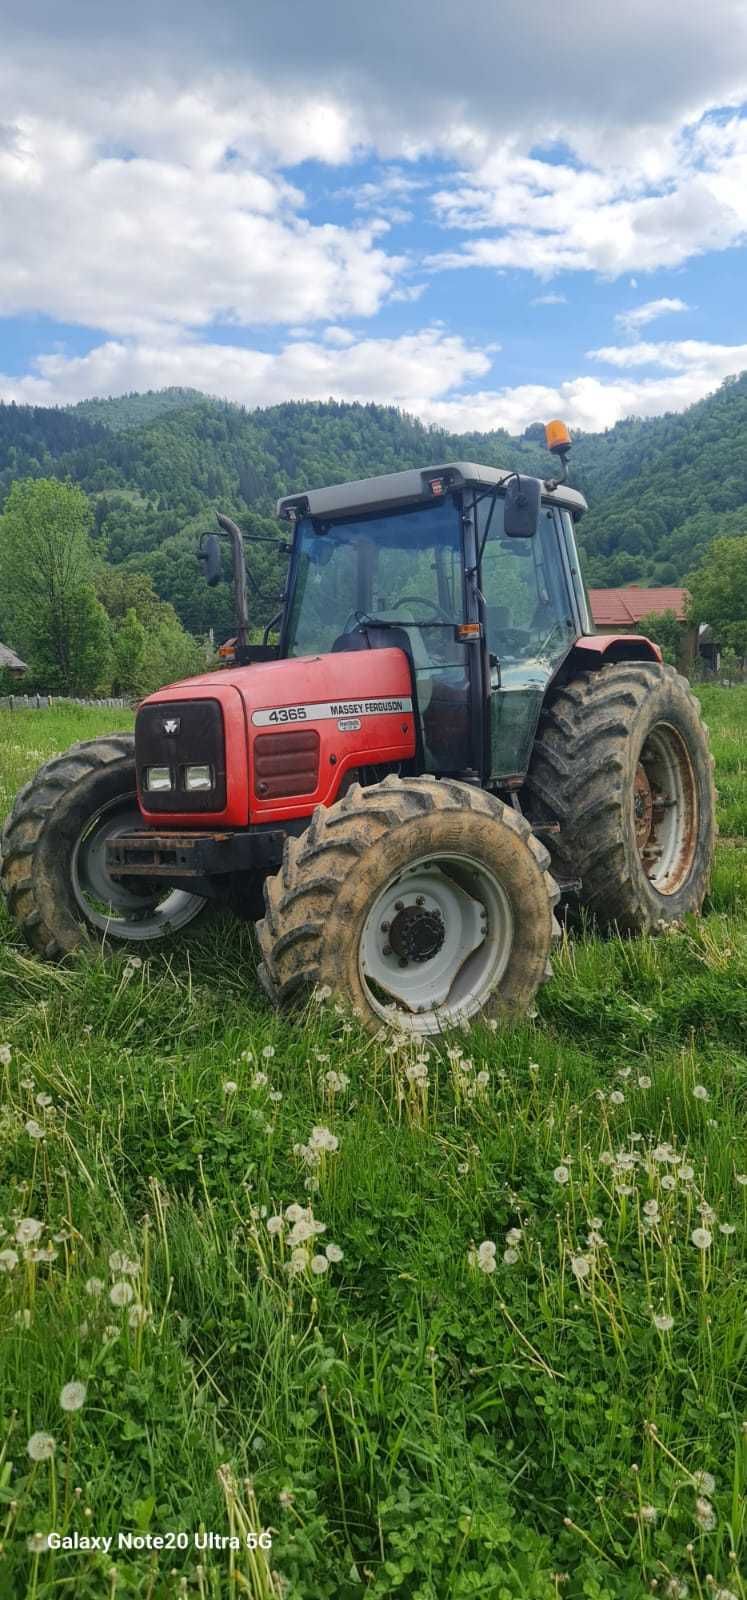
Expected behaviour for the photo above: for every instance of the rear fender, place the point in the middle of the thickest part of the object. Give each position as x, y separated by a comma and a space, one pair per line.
596, 650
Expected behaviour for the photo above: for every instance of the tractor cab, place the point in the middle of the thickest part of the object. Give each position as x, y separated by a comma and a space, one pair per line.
472, 572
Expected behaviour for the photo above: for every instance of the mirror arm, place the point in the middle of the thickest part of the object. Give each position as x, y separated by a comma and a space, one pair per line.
239, 576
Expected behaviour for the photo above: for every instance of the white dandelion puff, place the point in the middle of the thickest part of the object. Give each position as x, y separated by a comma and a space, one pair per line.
41, 1447
319, 1265
73, 1396
651, 1209
700, 1092
94, 1286
561, 1174
644, 1081
28, 1230
121, 1294
704, 1483
6, 1055
333, 1252
34, 1129
230, 1086
648, 1514
663, 1321
726, 1228
514, 1236
617, 1098
275, 1224
268, 1052
510, 1256
43, 1100
8, 1260
37, 1543
705, 1515
137, 1315
702, 1238
580, 1266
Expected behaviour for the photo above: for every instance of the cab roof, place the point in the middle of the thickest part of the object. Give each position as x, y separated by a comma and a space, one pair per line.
407, 488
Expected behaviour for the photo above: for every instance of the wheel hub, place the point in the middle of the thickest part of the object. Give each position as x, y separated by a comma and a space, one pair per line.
643, 806
417, 932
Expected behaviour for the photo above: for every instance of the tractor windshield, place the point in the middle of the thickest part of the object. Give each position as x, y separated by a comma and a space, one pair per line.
403, 569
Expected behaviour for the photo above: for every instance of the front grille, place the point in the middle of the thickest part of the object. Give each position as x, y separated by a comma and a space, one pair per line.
177, 734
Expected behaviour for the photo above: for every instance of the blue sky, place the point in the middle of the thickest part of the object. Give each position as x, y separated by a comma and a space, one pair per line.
505, 217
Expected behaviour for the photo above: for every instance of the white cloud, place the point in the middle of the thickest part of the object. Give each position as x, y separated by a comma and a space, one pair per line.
639, 316
405, 371
691, 196
685, 355
426, 373
549, 300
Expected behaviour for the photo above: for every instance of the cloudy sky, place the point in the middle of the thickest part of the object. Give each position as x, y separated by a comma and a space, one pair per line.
486, 212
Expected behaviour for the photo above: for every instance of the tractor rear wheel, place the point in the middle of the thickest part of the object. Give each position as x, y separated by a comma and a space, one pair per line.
53, 870
621, 762
423, 902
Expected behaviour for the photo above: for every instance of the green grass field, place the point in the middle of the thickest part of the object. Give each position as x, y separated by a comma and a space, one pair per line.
402, 1421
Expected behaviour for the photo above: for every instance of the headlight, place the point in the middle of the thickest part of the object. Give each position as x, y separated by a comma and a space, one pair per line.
198, 778
158, 778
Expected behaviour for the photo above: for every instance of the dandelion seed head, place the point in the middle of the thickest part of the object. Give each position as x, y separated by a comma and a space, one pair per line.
686, 1174
73, 1396
463, 1168
275, 1224
43, 1100
41, 1447
260, 1080
667, 1181
121, 1294
704, 1483
663, 1321
580, 1266
319, 1265
726, 1228
561, 1174
34, 1129
700, 1092
702, 1238
706, 1212
741, 1177
648, 1514
651, 1209
510, 1256
37, 1543
514, 1236
333, 1252
230, 1086
6, 1055
8, 1260
28, 1229
268, 1052
617, 1098
705, 1515
137, 1315
644, 1081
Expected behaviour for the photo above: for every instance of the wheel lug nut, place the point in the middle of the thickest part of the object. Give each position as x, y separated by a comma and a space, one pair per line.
403, 961
385, 927
387, 950
420, 899
399, 905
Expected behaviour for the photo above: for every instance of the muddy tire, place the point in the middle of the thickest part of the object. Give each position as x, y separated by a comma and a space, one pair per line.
52, 868
622, 764
421, 902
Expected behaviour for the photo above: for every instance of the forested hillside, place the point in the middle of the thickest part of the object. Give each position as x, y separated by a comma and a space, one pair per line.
157, 465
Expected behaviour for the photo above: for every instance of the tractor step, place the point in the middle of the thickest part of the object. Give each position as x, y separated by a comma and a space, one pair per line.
147, 854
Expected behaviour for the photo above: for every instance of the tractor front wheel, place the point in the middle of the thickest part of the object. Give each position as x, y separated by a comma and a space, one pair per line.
423, 902
621, 767
53, 870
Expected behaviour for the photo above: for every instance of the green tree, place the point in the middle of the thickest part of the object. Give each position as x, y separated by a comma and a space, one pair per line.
128, 655
665, 630
719, 592
49, 602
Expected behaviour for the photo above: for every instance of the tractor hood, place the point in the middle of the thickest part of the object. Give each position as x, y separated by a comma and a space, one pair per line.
278, 737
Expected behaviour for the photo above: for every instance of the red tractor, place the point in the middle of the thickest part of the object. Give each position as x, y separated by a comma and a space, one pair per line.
438, 746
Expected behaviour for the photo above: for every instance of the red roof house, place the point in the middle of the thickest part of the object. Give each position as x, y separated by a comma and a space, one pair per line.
621, 609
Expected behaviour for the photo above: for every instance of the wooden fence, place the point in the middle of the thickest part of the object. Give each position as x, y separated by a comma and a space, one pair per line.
42, 702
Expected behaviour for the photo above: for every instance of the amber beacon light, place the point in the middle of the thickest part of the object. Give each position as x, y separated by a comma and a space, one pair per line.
558, 438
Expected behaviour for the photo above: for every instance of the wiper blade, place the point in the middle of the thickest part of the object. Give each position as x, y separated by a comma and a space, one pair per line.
403, 622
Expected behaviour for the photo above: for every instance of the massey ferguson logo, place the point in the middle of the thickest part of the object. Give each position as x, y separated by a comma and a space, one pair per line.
172, 725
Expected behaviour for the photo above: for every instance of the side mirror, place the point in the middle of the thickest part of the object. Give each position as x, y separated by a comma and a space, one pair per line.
521, 509
209, 556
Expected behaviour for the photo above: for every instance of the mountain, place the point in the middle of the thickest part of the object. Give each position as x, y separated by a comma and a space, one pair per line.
158, 465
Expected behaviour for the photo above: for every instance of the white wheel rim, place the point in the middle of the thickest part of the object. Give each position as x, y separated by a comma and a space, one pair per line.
109, 905
671, 834
435, 943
